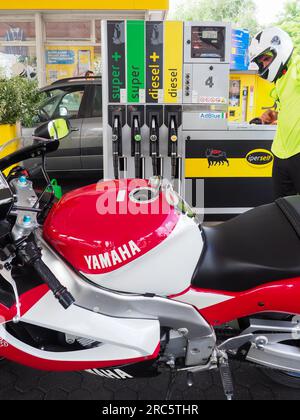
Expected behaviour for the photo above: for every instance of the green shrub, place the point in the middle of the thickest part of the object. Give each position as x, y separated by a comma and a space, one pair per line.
19, 101
10, 102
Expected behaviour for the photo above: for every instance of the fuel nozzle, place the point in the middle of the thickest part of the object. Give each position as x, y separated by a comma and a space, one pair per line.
116, 142
173, 137
154, 146
137, 140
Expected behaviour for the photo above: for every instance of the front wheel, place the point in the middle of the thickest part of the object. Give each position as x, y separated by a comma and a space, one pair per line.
288, 379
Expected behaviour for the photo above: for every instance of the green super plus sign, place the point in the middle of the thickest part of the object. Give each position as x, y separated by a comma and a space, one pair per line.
116, 56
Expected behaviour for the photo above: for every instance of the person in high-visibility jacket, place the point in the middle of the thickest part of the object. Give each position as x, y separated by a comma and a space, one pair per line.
273, 51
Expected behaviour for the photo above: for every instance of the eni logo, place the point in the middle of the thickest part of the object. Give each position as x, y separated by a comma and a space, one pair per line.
260, 157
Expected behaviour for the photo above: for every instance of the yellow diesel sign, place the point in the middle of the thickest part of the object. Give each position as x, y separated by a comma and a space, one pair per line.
91, 5
173, 62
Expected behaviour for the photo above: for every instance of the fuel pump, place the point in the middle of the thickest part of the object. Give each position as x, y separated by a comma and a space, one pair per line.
116, 124
136, 120
137, 147
173, 120
173, 141
117, 145
154, 147
154, 121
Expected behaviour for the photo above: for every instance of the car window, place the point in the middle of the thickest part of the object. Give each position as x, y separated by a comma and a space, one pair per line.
49, 107
55, 92
97, 102
69, 104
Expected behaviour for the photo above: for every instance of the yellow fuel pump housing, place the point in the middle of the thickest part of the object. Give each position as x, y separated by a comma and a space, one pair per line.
249, 96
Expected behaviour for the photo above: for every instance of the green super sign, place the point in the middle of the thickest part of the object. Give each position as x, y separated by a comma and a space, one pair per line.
116, 59
135, 60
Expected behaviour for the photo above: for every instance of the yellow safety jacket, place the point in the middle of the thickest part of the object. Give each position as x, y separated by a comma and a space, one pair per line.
287, 95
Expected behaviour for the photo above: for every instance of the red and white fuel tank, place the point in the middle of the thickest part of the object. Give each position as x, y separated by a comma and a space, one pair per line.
126, 236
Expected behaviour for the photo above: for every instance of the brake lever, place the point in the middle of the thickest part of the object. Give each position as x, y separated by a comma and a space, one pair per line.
5, 270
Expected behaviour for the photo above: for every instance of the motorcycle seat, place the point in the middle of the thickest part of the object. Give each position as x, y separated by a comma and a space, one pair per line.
253, 249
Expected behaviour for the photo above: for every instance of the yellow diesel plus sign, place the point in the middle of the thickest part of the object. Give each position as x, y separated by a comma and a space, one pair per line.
154, 57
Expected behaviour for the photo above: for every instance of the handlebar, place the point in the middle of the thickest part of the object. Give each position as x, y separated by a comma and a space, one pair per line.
60, 292
30, 254
28, 152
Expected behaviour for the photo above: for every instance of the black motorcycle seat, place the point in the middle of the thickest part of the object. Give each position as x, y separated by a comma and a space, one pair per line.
256, 248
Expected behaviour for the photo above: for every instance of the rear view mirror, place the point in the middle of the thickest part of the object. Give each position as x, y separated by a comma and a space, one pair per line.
63, 111
53, 130
59, 129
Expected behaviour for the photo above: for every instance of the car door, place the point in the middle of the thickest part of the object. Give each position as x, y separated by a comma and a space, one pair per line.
69, 106
92, 132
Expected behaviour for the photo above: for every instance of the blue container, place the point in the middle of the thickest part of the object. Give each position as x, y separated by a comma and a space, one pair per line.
238, 52
240, 64
240, 49
241, 35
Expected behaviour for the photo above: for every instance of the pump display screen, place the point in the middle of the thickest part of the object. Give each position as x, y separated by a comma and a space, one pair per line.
208, 42
210, 35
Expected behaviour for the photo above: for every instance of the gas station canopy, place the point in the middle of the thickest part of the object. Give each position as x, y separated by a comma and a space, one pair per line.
91, 5
56, 39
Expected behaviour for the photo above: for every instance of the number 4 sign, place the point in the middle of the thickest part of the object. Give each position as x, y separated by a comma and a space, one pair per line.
210, 82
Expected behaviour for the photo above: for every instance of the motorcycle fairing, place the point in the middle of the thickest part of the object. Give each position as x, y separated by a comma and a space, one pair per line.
139, 336
17, 351
143, 317
121, 341
27, 300
219, 308
166, 269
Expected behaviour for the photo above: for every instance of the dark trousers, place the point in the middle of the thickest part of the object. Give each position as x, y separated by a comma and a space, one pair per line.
286, 176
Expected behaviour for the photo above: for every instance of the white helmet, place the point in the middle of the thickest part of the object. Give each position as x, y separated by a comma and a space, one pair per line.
271, 50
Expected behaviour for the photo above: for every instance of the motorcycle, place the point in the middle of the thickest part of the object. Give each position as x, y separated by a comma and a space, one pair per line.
120, 279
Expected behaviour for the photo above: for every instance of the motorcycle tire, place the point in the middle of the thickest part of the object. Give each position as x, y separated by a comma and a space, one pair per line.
289, 380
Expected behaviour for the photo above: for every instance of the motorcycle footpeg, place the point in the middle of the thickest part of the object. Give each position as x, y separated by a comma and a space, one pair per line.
226, 378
